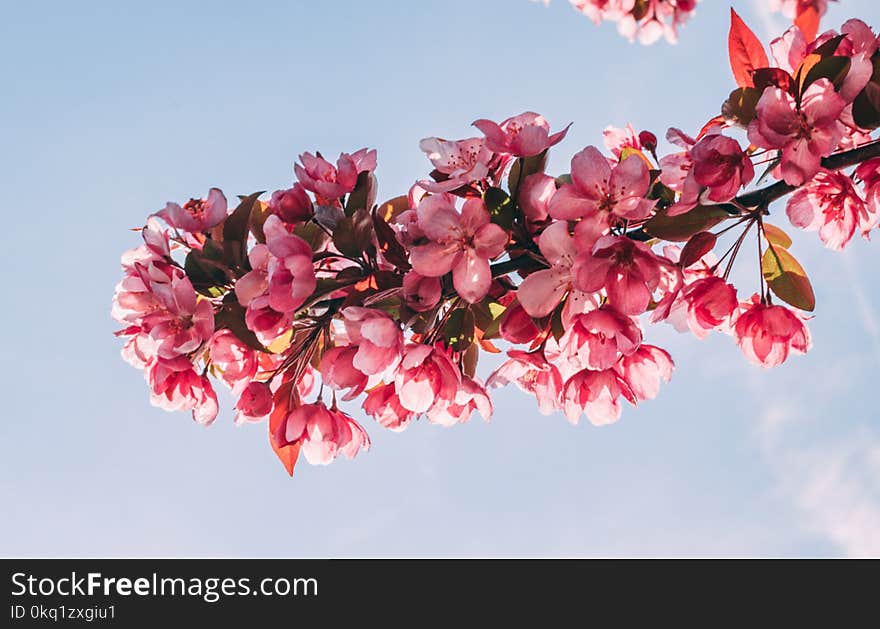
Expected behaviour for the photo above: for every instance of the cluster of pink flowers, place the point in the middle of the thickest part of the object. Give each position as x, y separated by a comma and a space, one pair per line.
320, 296
645, 20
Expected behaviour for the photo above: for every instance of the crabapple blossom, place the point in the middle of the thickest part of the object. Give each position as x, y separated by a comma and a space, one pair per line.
196, 215
319, 296
323, 433
805, 132
768, 333
521, 136
830, 204
330, 182
462, 243
601, 193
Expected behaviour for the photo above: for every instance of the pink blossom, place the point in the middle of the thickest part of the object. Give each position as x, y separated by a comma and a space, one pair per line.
598, 338
461, 161
339, 372
805, 134
830, 204
196, 215
710, 302
532, 373
384, 406
291, 272
184, 324
534, 197
595, 394
522, 136
462, 243
542, 290
323, 433
628, 271
255, 403
644, 369
720, 168
469, 397
421, 293
175, 386
331, 182
869, 173
378, 338
425, 376
235, 360
766, 333
601, 193
292, 205
616, 139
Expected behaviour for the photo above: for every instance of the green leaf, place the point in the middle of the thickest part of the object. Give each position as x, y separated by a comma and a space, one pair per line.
500, 207
682, 227
776, 236
236, 228
787, 278
459, 329
556, 326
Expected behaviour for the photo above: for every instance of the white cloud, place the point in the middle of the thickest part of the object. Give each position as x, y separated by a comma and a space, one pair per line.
835, 485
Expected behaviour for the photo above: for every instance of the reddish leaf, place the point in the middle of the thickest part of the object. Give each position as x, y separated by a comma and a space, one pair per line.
286, 454
699, 245
714, 122
808, 21
777, 77
746, 52
682, 227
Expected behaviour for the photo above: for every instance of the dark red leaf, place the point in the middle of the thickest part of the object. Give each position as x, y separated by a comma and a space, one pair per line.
699, 245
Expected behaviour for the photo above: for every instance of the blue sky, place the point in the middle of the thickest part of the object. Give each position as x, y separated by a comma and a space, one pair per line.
112, 110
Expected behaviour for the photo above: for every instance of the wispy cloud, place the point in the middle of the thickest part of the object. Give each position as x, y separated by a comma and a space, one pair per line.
834, 486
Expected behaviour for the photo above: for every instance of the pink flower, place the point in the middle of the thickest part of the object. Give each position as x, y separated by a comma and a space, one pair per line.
595, 394
378, 338
461, 161
628, 271
255, 403
532, 373
291, 272
720, 168
542, 290
292, 205
339, 373
196, 215
471, 396
384, 406
421, 293
830, 204
323, 433
534, 197
805, 134
330, 182
597, 339
766, 334
185, 322
601, 193
424, 376
174, 386
711, 302
236, 361
616, 139
869, 173
462, 243
522, 136
644, 369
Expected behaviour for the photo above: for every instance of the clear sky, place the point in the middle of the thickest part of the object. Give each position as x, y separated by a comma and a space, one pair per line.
111, 109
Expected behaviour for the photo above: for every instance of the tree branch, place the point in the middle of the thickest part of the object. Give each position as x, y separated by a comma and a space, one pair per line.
756, 198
